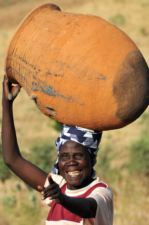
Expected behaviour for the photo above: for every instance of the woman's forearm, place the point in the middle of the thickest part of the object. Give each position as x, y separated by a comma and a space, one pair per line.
83, 207
28, 172
9, 141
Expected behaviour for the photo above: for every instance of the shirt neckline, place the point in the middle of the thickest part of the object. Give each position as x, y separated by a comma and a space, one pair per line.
81, 190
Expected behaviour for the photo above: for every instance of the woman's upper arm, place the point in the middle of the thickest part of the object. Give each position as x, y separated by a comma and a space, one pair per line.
104, 199
28, 172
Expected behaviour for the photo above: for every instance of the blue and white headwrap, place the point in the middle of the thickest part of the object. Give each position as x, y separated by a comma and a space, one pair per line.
88, 138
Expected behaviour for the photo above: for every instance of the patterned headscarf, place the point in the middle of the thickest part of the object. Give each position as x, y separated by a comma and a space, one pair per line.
88, 138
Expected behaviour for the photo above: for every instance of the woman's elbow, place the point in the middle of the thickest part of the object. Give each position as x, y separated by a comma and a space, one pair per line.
8, 161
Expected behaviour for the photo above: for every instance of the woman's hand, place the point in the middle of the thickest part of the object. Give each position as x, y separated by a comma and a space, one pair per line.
52, 190
10, 90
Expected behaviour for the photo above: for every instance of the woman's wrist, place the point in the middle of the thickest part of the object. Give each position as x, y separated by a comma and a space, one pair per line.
7, 105
61, 198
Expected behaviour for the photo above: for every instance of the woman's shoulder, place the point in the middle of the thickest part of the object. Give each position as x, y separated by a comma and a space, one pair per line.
101, 188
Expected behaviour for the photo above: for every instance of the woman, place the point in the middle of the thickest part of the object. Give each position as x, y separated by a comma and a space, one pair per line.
74, 195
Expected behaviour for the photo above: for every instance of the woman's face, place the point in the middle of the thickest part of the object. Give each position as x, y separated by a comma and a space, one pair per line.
74, 165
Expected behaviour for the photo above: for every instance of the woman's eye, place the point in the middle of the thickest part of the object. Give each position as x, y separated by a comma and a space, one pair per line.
64, 157
79, 156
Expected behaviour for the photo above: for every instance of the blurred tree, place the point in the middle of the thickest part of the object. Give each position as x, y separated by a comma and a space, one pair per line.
118, 20
57, 126
42, 156
104, 166
139, 156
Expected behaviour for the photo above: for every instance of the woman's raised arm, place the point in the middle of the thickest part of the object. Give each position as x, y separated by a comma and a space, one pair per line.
28, 172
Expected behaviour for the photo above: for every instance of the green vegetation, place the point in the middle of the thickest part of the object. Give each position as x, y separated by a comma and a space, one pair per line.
4, 171
144, 31
41, 155
118, 20
57, 126
9, 201
21, 207
6, 3
139, 150
105, 166
139, 156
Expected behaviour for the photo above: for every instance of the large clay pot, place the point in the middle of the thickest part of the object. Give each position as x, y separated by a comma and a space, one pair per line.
81, 69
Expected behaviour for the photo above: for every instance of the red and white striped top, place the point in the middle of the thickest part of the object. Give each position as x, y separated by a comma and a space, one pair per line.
97, 190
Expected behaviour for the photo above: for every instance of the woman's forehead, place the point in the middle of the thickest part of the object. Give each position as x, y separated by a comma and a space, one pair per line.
72, 146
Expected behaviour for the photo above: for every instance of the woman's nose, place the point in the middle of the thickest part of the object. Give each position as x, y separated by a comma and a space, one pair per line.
72, 160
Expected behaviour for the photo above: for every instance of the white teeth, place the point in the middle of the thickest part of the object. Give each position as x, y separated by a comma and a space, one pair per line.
74, 173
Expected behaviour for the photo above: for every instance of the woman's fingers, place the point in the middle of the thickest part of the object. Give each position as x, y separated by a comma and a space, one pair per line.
53, 193
52, 190
6, 88
10, 90
51, 181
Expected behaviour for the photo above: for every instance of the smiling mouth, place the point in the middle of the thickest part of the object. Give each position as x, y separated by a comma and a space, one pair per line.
73, 173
